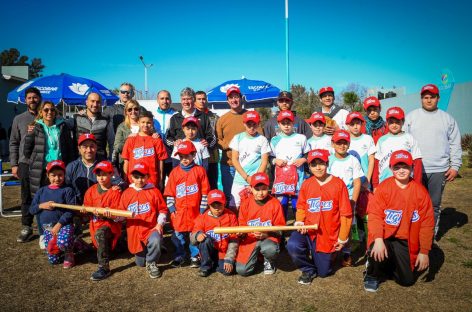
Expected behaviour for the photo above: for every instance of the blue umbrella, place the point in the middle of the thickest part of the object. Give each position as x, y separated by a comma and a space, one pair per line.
256, 93
65, 88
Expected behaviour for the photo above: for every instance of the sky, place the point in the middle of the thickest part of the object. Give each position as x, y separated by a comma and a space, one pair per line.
204, 43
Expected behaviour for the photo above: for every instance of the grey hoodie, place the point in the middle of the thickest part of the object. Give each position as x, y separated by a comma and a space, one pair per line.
19, 129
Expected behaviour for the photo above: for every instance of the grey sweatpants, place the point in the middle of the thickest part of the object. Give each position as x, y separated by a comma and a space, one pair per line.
435, 183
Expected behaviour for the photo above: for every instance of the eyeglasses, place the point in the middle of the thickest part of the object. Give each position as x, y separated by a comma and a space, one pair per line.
47, 110
129, 110
125, 92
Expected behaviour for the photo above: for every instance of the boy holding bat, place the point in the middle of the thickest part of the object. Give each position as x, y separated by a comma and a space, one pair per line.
104, 229
323, 200
216, 250
261, 209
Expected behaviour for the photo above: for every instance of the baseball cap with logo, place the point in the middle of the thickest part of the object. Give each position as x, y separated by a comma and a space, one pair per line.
395, 112
233, 89
141, 168
260, 178
316, 116
371, 101
104, 166
191, 120
55, 164
401, 156
216, 196
185, 148
285, 115
354, 115
341, 135
324, 90
430, 88
285, 95
251, 116
318, 154
87, 136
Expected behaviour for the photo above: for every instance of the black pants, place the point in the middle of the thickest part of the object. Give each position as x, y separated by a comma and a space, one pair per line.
397, 265
23, 174
213, 175
104, 237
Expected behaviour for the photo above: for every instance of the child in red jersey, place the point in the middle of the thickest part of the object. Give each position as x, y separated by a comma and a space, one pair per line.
323, 200
216, 250
144, 148
261, 209
186, 191
145, 229
401, 223
104, 229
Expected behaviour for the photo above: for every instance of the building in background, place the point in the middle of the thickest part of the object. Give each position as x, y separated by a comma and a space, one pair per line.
386, 93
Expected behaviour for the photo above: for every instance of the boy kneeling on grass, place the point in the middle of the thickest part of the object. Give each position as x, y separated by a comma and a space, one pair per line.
400, 224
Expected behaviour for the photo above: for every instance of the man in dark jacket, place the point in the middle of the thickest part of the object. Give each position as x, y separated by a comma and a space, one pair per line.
116, 113
175, 134
95, 123
19, 163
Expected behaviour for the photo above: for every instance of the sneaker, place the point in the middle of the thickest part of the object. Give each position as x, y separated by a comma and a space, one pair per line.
42, 243
371, 284
177, 263
100, 274
269, 268
306, 278
153, 270
203, 273
69, 260
26, 234
195, 262
347, 260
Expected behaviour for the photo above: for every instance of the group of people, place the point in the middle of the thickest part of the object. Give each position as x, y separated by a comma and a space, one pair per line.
356, 176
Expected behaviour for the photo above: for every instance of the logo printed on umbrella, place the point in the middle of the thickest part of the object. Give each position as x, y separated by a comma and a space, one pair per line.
225, 88
257, 88
79, 88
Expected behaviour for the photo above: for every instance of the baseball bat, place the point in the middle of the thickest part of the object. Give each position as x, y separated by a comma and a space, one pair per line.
114, 212
251, 229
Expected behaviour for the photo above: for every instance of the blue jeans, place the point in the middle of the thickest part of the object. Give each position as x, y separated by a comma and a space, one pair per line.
180, 240
151, 252
227, 177
209, 256
298, 247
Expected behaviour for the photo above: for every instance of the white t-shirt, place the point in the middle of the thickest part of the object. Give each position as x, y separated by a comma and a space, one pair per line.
340, 118
347, 169
250, 149
202, 152
362, 147
389, 143
323, 142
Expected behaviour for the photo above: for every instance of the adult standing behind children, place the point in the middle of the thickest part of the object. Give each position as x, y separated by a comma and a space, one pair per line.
116, 113
332, 111
439, 140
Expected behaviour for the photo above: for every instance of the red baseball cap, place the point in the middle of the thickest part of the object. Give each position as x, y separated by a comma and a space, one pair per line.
251, 116
371, 101
191, 120
430, 88
286, 114
324, 90
141, 168
86, 136
341, 135
185, 148
354, 115
316, 116
401, 156
318, 154
104, 166
395, 112
55, 164
260, 178
216, 196
233, 89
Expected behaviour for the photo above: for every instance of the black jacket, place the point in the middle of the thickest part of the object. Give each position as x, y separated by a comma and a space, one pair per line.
175, 131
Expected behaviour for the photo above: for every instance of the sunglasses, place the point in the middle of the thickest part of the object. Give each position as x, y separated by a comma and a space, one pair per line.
47, 110
129, 110
125, 92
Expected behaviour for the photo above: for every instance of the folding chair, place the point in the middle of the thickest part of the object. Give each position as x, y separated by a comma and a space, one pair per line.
6, 174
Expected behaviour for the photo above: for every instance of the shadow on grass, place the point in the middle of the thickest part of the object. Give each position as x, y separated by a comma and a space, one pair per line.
450, 218
436, 260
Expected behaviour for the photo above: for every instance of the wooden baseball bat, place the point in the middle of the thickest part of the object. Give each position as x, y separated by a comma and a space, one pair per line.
250, 229
114, 212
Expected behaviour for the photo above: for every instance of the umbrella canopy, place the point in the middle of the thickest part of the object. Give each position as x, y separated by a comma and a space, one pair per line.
255, 93
65, 88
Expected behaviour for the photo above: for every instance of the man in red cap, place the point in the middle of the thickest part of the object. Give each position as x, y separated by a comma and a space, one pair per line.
374, 126
332, 111
400, 223
439, 140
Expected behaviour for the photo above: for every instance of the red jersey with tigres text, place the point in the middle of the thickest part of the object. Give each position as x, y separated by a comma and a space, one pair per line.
110, 199
146, 204
144, 149
187, 188
324, 205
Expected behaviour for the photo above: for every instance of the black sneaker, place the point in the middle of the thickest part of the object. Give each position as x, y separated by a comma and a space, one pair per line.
269, 268
177, 263
203, 273
100, 274
26, 235
153, 270
371, 284
194, 262
306, 278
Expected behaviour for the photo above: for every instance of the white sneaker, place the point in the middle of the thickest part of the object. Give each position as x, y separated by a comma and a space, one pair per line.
269, 268
42, 243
